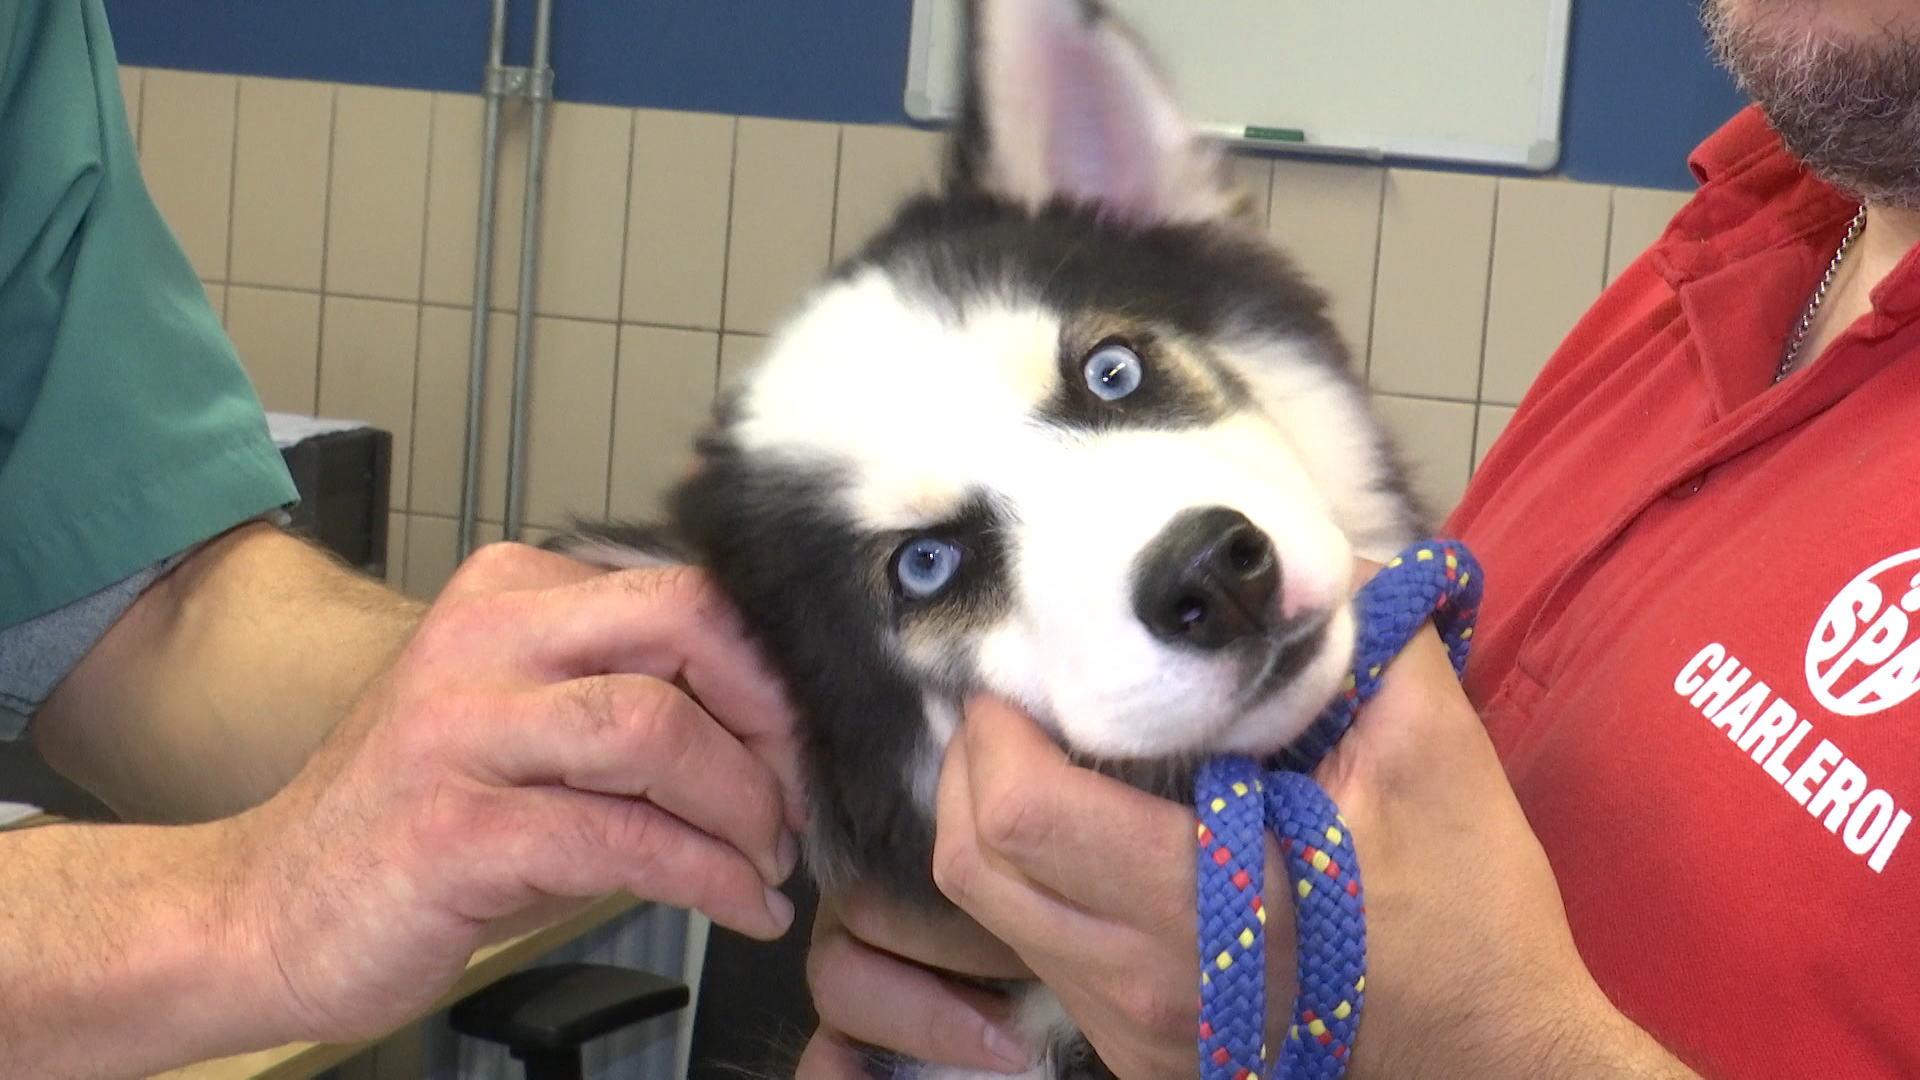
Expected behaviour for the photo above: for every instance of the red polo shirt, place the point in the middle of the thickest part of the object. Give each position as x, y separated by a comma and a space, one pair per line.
1700, 647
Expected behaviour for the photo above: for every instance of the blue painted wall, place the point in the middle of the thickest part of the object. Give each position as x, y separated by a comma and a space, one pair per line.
1640, 92
1640, 89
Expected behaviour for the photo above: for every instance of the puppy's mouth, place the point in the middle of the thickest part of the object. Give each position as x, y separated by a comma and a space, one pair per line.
1274, 662
1285, 653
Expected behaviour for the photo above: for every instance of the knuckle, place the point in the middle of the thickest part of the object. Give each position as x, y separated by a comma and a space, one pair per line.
657, 855
871, 918
428, 728
722, 883
761, 799
837, 980
493, 561
595, 702
827, 960
634, 830
634, 718
1169, 913
1010, 818
1149, 1007
456, 621
686, 588
955, 871
656, 721
455, 815
443, 622
661, 584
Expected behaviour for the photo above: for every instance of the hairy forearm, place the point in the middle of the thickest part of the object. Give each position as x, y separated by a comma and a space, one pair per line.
121, 953
209, 693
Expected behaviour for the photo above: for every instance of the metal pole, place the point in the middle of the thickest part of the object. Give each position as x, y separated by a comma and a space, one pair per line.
539, 95
482, 279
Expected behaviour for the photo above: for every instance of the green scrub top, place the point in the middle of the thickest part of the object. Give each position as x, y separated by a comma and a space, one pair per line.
128, 429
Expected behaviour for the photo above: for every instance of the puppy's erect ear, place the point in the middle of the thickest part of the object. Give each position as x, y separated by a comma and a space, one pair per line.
1062, 102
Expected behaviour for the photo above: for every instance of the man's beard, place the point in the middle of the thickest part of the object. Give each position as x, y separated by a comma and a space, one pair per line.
1850, 109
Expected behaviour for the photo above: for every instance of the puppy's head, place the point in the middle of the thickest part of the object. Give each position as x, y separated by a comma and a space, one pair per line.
1070, 432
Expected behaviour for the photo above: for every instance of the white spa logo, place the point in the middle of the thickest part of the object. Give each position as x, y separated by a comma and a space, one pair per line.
1863, 657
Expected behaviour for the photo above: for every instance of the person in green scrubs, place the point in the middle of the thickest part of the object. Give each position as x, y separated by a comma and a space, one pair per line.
346, 793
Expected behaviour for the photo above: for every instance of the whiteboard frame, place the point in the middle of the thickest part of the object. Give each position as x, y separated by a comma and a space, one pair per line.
1541, 155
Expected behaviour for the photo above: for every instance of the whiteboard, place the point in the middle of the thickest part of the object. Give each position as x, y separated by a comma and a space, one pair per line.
1466, 81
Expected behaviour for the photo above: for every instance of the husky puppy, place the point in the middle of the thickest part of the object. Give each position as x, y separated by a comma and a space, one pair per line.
1070, 432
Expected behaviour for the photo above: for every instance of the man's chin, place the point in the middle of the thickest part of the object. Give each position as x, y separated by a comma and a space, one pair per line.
1846, 104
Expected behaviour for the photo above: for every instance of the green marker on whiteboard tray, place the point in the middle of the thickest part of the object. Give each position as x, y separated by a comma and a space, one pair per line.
1255, 134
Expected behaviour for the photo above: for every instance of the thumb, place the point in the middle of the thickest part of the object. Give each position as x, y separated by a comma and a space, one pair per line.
1418, 729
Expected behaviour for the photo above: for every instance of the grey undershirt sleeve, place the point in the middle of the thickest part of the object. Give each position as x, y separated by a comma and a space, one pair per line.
35, 655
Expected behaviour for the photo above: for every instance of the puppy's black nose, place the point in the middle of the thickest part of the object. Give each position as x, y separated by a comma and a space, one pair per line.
1209, 579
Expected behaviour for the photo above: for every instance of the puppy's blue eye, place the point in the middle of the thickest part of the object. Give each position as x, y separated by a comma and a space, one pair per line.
924, 565
1113, 372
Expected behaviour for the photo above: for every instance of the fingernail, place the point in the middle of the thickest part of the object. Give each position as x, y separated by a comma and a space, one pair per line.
789, 855
1012, 1052
780, 908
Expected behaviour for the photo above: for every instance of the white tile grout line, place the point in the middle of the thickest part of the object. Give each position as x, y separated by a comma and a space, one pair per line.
613, 419
1606, 250
1273, 189
1373, 279
620, 305
1266, 202
1435, 400
833, 210
626, 234
464, 308
1364, 351
1486, 316
420, 310
834, 253
139, 110
1606, 263
326, 242
233, 167
720, 335
719, 332
726, 251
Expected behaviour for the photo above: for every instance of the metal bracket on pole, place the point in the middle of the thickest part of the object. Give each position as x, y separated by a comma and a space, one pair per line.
520, 83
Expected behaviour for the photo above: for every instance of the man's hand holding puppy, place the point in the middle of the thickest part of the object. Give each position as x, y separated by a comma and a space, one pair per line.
548, 735
1471, 968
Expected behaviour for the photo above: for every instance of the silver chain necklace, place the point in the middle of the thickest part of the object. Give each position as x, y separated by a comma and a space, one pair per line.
1791, 354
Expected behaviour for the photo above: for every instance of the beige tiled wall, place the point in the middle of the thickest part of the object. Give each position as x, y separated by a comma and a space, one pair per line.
334, 228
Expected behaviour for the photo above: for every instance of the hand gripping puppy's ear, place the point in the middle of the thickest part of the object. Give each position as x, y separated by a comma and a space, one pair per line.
615, 546
1063, 104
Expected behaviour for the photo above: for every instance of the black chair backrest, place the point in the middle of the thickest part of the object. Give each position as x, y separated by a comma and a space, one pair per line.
754, 1014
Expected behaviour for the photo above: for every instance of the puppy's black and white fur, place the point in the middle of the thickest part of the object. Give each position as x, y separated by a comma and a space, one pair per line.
1069, 431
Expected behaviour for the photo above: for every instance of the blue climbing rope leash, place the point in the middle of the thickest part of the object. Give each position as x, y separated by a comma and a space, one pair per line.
1236, 800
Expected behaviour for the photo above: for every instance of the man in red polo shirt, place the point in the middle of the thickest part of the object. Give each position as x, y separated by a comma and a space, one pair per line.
1697, 663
